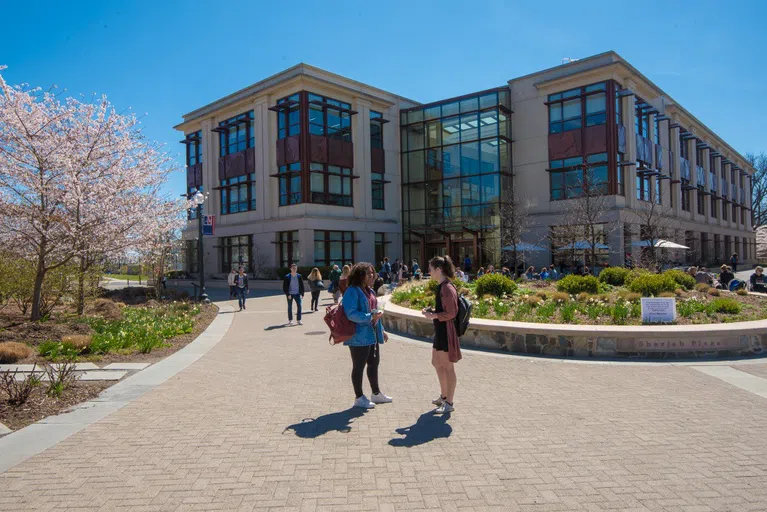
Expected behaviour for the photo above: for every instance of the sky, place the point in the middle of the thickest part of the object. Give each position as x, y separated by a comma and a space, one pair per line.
165, 58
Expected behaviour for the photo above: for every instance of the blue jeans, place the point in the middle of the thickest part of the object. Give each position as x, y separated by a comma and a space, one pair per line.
241, 293
291, 298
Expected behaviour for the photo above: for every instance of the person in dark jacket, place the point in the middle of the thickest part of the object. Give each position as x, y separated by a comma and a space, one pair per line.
242, 288
293, 287
725, 276
758, 281
734, 262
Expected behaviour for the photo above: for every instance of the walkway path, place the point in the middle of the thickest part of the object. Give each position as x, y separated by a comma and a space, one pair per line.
262, 422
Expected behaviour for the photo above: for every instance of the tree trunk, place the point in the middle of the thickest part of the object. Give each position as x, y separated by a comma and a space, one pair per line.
37, 295
81, 286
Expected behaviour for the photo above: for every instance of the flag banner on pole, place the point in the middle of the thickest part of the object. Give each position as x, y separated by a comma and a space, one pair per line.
208, 225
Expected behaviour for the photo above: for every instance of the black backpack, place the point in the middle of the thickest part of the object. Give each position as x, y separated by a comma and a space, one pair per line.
463, 316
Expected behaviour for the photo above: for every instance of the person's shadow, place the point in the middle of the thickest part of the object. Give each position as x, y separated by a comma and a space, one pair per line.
430, 426
315, 427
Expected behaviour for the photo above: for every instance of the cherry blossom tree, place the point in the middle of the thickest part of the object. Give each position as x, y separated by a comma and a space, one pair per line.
78, 182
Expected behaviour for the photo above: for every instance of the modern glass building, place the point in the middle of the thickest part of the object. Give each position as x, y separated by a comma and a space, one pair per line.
456, 170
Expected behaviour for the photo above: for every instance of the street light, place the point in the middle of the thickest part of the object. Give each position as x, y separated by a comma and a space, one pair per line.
198, 199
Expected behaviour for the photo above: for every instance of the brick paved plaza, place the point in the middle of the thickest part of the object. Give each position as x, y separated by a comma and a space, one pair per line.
263, 422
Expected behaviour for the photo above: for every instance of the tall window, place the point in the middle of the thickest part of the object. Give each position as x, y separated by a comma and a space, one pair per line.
287, 241
290, 184
684, 147
619, 172
713, 206
657, 131
643, 187
236, 134
237, 194
576, 179
380, 248
701, 203
333, 248
331, 184
724, 210
376, 141
685, 195
657, 196
642, 120
193, 157
584, 106
289, 118
235, 252
330, 117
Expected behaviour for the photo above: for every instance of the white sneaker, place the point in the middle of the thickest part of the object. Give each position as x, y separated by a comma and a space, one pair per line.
438, 401
444, 408
364, 403
291, 324
380, 398
300, 322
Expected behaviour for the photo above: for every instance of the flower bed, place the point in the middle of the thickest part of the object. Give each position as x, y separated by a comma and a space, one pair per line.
563, 302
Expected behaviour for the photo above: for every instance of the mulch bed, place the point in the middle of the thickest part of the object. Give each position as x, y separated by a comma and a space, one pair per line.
14, 328
40, 405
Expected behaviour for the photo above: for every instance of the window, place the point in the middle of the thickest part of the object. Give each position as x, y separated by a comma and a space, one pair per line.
619, 172
333, 248
330, 117
238, 194
236, 134
734, 212
576, 179
290, 184
378, 190
656, 135
701, 204
193, 157
376, 130
235, 252
684, 147
658, 197
289, 118
724, 211
380, 248
331, 185
287, 241
596, 104
643, 187
565, 111
685, 196
713, 206
642, 120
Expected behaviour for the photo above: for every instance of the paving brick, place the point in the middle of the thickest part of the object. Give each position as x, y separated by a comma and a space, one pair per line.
263, 422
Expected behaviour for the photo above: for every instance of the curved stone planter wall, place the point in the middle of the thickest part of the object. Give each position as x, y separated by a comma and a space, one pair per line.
722, 340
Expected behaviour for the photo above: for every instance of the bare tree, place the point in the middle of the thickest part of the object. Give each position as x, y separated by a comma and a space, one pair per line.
259, 263
585, 213
515, 223
656, 223
759, 193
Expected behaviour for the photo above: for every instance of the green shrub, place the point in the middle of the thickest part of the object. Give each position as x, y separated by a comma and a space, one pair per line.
615, 276
724, 305
568, 313
691, 306
578, 284
415, 296
495, 285
652, 284
56, 350
683, 279
634, 273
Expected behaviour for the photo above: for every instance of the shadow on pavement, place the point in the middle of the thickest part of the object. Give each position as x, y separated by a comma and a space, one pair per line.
273, 327
429, 427
315, 427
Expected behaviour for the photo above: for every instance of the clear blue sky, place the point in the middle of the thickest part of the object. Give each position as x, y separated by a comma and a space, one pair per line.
168, 57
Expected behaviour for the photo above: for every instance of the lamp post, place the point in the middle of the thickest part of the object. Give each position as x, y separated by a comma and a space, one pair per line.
199, 198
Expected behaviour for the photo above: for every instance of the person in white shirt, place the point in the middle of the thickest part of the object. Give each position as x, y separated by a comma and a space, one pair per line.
232, 280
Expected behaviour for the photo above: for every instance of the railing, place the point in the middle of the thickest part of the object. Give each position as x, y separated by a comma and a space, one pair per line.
734, 191
701, 175
713, 181
724, 188
644, 149
671, 165
684, 168
742, 196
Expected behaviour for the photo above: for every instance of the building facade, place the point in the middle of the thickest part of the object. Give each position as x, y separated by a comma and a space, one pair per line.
312, 168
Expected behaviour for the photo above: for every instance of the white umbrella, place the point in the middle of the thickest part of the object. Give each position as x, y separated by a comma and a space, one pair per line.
660, 244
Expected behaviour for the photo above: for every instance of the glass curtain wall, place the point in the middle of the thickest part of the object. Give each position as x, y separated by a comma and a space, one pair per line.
456, 168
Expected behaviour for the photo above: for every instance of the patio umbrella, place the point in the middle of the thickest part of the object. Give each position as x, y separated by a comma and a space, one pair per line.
660, 244
582, 245
524, 247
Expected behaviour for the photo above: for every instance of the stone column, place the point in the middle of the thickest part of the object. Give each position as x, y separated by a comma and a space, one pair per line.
676, 150
693, 179
306, 247
363, 204
629, 117
264, 141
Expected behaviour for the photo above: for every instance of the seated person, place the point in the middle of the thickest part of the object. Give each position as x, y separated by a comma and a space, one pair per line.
586, 271
530, 274
480, 272
545, 273
758, 282
703, 277
725, 276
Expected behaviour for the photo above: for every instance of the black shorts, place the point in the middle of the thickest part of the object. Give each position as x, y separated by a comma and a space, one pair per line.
440, 344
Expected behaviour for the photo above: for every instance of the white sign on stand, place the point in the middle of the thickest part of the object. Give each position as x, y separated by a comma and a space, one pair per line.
659, 310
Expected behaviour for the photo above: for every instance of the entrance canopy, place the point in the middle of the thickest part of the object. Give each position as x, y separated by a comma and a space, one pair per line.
660, 244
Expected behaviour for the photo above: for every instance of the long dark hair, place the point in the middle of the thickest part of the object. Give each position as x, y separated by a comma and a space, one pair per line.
359, 274
445, 264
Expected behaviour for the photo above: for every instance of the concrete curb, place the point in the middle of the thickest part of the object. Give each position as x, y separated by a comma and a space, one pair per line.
23, 444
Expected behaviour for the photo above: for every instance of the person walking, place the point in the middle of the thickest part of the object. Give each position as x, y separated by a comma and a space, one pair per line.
395, 268
446, 349
467, 264
232, 280
241, 284
734, 262
343, 283
293, 287
415, 267
316, 285
335, 277
386, 269
361, 307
